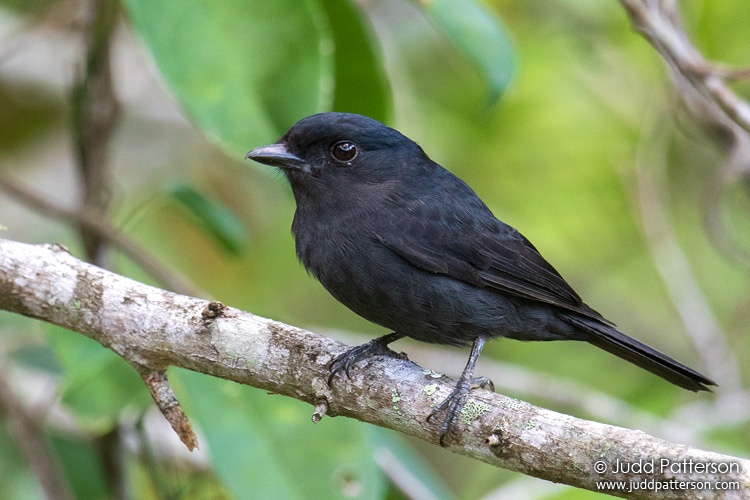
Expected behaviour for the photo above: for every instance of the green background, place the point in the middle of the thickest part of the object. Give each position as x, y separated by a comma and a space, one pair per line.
558, 114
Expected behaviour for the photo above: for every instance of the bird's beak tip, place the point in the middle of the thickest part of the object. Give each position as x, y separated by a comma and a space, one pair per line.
276, 155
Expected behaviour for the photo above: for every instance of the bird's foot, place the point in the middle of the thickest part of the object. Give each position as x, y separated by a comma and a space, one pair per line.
452, 405
455, 402
345, 361
484, 383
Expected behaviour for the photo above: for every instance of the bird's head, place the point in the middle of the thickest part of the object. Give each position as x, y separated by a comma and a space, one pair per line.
338, 153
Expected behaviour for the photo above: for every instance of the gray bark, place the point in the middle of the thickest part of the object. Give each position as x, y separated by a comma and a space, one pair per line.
153, 329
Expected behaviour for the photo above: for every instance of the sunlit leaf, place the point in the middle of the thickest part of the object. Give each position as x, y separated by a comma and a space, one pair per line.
479, 35
213, 216
97, 383
38, 357
26, 6
392, 451
267, 445
361, 85
245, 70
81, 466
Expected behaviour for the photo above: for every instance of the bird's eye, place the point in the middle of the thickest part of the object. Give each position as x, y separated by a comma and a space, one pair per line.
344, 151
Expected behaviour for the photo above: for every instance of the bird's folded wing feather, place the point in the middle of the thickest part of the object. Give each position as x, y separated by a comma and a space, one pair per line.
493, 255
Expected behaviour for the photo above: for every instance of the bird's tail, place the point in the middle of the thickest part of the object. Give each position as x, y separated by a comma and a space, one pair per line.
613, 341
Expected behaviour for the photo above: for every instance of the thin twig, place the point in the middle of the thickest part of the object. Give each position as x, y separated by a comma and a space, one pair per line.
95, 113
674, 268
702, 87
734, 74
168, 405
661, 24
96, 223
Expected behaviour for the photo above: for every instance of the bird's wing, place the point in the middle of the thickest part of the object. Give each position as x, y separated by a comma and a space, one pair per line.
484, 253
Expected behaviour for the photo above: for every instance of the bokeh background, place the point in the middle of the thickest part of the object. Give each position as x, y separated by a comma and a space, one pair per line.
557, 113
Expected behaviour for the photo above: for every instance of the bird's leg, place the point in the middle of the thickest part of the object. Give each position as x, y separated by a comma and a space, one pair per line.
454, 403
351, 357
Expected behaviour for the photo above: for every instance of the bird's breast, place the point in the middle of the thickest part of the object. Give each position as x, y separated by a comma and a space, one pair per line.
334, 249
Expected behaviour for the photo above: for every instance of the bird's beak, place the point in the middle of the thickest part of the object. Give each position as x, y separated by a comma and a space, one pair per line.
276, 155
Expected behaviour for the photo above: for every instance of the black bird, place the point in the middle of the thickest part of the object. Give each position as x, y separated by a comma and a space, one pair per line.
404, 243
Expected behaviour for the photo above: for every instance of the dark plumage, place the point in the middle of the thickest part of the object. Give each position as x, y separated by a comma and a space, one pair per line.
407, 245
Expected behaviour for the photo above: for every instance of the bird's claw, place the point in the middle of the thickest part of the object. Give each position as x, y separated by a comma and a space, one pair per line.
484, 383
453, 405
455, 402
345, 361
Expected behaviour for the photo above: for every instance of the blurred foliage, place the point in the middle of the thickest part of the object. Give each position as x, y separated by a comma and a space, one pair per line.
555, 158
28, 111
473, 29
234, 67
217, 220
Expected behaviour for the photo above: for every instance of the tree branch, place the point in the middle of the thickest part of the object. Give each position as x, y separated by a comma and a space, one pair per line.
95, 113
700, 83
106, 231
702, 87
673, 265
154, 329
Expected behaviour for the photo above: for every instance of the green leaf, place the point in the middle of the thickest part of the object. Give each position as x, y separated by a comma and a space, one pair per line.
267, 445
479, 34
26, 6
81, 463
39, 357
361, 85
213, 216
245, 70
97, 383
391, 450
